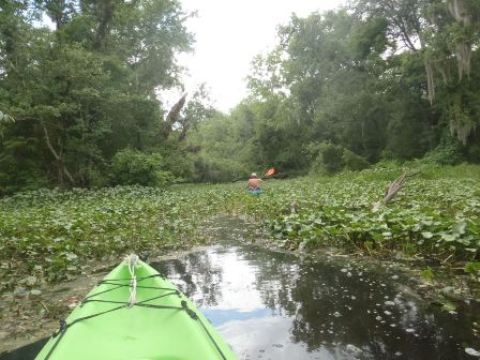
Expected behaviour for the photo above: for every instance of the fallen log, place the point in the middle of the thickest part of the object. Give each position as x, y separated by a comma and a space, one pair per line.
392, 189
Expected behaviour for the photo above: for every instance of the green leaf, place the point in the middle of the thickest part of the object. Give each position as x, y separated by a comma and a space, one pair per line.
472, 267
427, 275
427, 234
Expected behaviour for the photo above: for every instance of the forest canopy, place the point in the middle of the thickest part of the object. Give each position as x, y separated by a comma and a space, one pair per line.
375, 80
378, 80
84, 89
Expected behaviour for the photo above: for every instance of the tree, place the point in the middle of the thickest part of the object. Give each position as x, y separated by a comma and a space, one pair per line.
443, 34
85, 89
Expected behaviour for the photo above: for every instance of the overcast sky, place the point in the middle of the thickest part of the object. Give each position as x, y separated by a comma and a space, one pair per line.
228, 34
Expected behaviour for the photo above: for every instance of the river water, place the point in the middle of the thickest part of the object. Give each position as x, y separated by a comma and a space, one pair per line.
272, 305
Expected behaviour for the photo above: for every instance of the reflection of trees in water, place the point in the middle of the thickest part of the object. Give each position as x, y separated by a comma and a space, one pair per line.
196, 276
274, 279
318, 298
329, 308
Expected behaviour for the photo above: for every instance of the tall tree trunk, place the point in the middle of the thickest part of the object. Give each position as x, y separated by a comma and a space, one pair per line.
105, 18
430, 81
62, 169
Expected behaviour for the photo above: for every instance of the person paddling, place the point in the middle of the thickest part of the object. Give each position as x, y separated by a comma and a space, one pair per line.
254, 183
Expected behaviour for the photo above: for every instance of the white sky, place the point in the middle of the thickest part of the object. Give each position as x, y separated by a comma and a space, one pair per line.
228, 34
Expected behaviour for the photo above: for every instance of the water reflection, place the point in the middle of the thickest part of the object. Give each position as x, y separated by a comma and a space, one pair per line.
274, 306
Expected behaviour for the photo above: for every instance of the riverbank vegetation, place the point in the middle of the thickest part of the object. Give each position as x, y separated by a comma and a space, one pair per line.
435, 215
50, 235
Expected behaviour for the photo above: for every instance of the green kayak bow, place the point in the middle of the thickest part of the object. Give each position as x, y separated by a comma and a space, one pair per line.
135, 314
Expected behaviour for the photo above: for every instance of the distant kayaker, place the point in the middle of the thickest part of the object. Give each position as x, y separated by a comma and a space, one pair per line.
254, 182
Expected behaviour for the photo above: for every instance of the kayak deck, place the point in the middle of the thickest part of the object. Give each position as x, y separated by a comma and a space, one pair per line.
160, 324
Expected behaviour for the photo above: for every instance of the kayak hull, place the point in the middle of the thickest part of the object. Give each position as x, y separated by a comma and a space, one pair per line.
161, 324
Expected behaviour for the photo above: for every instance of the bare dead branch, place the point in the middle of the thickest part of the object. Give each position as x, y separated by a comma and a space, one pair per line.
49, 144
174, 112
392, 189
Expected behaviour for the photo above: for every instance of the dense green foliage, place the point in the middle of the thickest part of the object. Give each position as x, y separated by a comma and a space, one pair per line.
382, 79
375, 80
433, 217
130, 167
330, 157
83, 88
51, 234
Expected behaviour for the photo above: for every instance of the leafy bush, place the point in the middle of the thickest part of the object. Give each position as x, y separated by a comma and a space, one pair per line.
218, 170
93, 177
353, 161
135, 167
473, 153
20, 167
330, 158
449, 153
179, 163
